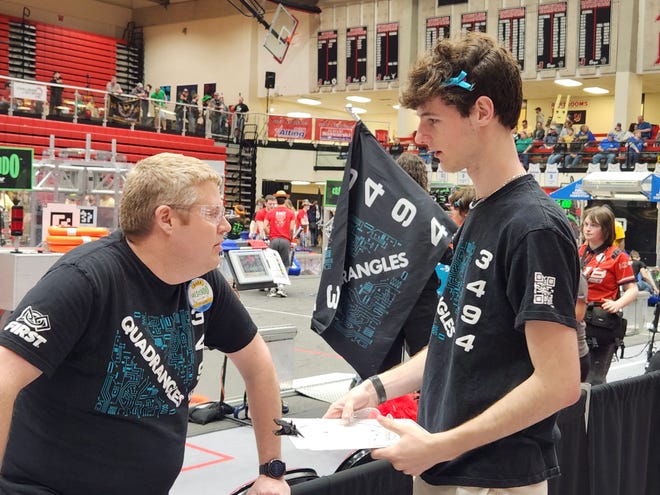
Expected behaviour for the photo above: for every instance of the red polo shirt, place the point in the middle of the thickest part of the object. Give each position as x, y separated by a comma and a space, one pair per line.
605, 271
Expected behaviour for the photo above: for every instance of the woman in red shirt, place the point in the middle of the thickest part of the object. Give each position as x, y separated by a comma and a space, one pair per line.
607, 268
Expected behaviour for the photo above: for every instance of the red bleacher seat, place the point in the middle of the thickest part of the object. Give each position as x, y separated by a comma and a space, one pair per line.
135, 145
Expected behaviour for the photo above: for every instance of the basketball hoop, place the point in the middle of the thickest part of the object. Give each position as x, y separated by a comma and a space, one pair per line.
280, 33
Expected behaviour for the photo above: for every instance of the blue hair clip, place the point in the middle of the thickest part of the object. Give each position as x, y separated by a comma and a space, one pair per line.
459, 81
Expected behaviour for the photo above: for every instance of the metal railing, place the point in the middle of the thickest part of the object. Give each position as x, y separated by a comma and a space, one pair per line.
34, 98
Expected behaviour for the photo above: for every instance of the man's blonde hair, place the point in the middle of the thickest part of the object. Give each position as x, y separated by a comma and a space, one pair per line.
163, 179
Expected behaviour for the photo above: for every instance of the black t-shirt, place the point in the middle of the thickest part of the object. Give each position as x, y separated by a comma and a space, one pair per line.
637, 265
515, 260
241, 108
121, 352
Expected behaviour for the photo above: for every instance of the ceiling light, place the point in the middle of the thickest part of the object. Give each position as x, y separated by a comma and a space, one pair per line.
569, 83
358, 99
358, 110
396, 106
595, 90
300, 183
299, 115
308, 101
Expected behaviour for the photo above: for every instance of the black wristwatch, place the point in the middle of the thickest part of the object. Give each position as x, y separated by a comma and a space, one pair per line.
273, 468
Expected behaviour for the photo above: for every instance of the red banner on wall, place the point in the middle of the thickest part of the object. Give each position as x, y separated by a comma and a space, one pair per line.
334, 130
280, 127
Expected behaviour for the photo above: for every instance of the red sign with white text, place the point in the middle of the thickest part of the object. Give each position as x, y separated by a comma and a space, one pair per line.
281, 127
334, 130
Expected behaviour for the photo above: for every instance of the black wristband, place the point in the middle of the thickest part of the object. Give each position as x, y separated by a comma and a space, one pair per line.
378, 387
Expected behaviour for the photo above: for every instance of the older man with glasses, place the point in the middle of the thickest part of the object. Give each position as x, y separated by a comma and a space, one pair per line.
107, 348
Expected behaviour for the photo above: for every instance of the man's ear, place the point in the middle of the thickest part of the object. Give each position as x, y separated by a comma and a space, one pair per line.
163, 218
483, 110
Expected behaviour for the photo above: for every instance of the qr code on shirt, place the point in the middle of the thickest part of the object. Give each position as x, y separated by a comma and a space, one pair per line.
544, 289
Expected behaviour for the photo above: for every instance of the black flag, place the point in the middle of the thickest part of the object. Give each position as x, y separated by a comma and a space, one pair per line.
124, 109
388, 235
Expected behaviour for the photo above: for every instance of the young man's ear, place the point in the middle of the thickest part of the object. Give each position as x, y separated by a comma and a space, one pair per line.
484, 110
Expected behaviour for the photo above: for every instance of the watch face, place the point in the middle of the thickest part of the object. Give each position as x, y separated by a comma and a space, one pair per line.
276, 468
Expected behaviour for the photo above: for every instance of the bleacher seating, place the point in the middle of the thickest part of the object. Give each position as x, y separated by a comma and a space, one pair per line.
85, 60
134, 145
539, 154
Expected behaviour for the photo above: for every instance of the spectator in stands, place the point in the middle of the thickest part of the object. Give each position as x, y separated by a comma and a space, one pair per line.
645, 127
55, 94
207, 112
214, 113
525, 128
240, 117
551, 138
561, 148
606, 267
644, 279
568, 125
635, 146
141, 92
504, 335
523, 145
539, 132
558, 127
158, 97
583, 138
113, 86
584, 134
222, 112
103, 387
607, 149
540, 118
195, 120
280, 224
620, 134
181, 109
396, 149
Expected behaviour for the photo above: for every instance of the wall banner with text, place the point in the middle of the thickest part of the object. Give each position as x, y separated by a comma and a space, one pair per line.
334, 130
281, 127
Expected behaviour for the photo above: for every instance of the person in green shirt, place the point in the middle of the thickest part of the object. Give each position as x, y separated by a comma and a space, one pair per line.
159, 119
523, 144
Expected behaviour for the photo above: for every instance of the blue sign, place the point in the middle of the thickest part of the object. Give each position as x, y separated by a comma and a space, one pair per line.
573, 191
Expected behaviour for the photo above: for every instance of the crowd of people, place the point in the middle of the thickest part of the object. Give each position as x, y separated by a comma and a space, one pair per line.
207, 116
559, 143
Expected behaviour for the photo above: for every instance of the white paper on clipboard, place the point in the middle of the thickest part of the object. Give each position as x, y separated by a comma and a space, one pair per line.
335, 434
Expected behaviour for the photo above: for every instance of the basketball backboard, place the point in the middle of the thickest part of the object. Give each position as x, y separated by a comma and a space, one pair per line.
279, 34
